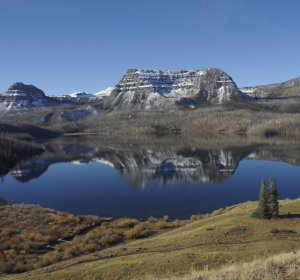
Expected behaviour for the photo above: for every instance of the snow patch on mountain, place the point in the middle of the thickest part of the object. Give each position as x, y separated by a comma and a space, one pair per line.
82, 95
104, 93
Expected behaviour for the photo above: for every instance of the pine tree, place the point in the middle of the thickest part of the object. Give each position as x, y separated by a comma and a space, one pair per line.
273, 200
262, 211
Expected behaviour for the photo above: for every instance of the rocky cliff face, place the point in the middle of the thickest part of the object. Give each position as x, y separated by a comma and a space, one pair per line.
21, 96
146, 89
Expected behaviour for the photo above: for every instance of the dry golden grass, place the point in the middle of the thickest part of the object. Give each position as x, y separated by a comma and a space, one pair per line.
27, 230
229, 238
138, 231
281, 267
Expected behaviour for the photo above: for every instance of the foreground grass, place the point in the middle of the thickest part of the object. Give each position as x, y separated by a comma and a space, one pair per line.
32, 237
283, 266
228, 238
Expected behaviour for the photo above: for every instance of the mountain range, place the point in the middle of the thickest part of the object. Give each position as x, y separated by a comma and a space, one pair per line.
148, 89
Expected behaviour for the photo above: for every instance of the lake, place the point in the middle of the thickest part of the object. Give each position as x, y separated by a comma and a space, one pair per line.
155, 176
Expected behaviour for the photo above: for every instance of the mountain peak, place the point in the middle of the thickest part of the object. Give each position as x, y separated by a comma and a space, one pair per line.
22, 89
22, 96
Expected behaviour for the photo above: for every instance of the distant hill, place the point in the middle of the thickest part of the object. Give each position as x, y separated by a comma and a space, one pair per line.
289, 89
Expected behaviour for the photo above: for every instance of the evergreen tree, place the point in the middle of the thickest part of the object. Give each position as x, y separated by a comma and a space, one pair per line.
273, 199
262, 211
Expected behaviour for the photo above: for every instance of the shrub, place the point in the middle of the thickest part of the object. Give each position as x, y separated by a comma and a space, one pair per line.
125, 223
166, 218
284, 231
176, 223
152, 219
161, 224
139, 231
196, 217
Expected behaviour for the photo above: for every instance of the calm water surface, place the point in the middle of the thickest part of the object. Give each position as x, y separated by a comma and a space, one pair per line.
139, 180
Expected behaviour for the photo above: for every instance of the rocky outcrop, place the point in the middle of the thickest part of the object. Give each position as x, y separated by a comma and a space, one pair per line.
146, 89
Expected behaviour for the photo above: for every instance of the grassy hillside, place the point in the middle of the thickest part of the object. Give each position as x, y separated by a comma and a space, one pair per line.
32, 237
228, 237
283, 266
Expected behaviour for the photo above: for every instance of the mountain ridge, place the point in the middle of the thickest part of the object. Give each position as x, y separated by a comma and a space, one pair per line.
147, 89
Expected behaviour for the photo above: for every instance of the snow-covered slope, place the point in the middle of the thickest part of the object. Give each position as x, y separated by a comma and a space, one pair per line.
82, 95
104, 93
146, 89
21, 96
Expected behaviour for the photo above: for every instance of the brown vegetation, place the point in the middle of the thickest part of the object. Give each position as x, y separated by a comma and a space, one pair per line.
219, 246
266, 118
207, 120
32, 237
26, 230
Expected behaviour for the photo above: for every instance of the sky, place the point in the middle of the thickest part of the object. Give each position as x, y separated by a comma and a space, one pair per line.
64, 46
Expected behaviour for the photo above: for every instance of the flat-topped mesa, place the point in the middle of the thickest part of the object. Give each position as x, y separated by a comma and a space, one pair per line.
146, 89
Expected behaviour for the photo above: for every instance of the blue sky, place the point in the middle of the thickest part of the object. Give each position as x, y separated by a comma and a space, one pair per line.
63, 46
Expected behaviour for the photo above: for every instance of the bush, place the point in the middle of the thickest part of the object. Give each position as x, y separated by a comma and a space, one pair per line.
161, 224
125, 223
139, 231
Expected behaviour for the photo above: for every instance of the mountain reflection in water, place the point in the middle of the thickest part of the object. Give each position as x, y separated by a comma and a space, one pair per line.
150, 176
161, 162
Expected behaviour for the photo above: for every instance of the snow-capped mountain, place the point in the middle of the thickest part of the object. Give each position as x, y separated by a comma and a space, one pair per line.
146, 89
21, 96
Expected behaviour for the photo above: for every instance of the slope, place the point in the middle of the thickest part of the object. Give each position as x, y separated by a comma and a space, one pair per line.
226, 237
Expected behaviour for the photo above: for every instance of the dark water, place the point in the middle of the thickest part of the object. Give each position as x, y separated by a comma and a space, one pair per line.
152, 178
